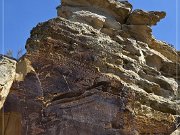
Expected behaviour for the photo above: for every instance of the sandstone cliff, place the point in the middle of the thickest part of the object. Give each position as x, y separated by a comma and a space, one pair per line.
96, 69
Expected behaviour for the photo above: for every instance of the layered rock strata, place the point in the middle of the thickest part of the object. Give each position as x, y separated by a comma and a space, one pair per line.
96, 70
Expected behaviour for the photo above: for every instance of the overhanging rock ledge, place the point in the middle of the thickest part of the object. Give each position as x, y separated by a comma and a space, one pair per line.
95, 69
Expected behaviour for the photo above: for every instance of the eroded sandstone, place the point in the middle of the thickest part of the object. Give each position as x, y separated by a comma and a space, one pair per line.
140, 17
95, 70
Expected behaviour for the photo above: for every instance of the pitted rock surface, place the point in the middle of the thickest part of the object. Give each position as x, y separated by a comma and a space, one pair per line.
7, 75
140, 17
96, 70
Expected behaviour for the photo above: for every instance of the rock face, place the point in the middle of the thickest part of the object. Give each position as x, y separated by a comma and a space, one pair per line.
177, 132
140, 17
7, 75
95, 70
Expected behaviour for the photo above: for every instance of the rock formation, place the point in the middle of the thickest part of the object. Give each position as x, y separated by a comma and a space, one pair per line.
7, 75
96, 69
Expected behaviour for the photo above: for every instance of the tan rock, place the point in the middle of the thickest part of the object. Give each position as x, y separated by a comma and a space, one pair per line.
177, 132
87, 72
7, 76
108, 69
165, 50
139, 32
10, 123
140, 17
119, 10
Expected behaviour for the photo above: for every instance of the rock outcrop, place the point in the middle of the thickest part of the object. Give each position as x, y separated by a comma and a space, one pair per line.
7, 75
177, 132
95, 70
140, 17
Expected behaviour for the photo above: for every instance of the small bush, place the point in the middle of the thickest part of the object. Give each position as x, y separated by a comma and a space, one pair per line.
19, 53
9, 53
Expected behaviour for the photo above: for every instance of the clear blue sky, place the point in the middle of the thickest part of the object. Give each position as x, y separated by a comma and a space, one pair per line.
22, 15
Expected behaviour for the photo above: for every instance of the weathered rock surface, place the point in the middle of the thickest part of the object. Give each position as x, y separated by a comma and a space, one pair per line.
140, 17
177, 132
110, 9
90, 72
7, 75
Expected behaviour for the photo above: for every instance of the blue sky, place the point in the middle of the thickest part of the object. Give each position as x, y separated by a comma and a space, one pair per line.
22, 15
165, 30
